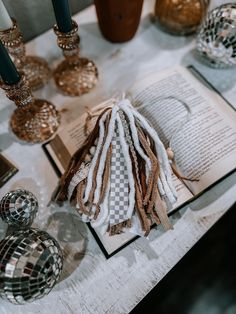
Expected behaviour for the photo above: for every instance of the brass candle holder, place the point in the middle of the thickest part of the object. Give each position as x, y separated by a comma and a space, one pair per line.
74, 76
35, 69
34, 120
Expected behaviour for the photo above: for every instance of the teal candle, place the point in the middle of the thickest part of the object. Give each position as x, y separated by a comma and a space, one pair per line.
8, 71
63, 15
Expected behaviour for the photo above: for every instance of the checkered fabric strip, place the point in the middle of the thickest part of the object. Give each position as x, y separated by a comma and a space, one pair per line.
119, 190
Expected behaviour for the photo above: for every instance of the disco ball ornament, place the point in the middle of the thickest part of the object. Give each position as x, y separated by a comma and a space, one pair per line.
18, 208
30, 265
216, 41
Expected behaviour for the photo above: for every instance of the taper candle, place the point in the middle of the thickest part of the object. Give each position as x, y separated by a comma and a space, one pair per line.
63, 15
8, 71
5, 20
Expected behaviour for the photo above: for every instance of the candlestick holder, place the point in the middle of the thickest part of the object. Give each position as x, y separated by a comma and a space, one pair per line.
36, 69
74, 76
34, 120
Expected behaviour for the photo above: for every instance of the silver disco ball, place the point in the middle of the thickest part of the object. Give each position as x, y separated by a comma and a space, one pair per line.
216, 41
30, 265
18, 208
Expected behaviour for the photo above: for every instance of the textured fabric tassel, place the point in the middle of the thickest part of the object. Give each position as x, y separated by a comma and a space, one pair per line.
121, 174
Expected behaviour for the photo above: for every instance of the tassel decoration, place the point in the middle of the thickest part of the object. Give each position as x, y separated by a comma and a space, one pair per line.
121, 173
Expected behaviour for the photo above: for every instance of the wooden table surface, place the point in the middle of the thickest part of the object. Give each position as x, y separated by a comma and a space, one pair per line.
90, 283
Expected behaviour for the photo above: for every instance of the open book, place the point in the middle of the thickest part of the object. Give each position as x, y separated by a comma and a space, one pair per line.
204, 145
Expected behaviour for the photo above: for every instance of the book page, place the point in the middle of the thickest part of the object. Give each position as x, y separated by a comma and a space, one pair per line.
66, 142
205, 145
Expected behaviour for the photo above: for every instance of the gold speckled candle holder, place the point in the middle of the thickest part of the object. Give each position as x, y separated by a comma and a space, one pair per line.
34, 120
35, 69
74, 76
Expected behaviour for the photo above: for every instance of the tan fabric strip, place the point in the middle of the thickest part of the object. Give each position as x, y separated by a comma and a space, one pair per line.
97, 211
143, 176
140, 209
79, 198
154, 162
160, 208
154, 192
155, 217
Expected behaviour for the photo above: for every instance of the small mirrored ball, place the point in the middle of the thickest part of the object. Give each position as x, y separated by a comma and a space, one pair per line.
216, 41
18, 208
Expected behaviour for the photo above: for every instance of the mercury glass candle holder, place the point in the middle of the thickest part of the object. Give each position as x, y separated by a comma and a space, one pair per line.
34, 120
180, 17
74, 76
36, 69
